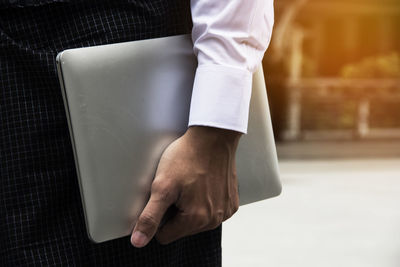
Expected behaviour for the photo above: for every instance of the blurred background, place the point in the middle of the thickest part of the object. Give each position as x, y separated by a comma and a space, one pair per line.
333, 77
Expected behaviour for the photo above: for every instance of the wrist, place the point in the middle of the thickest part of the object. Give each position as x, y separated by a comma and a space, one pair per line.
204, 136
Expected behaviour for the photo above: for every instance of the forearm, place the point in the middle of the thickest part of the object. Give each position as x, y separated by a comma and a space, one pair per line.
203, 135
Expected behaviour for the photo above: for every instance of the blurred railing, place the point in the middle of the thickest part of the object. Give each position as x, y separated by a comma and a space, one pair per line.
331, 108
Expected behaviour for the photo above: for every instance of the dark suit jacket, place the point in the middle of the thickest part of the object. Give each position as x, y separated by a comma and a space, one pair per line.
41, 219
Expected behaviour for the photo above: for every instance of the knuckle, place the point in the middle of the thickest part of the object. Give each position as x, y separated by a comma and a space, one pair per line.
158, 185
217, 218
164, 191
202, 218
231, 210
148, 221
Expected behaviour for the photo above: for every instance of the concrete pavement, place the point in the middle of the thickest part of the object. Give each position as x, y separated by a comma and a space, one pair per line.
331, 213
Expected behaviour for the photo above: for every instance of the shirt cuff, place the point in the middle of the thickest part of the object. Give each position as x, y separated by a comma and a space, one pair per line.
221, 97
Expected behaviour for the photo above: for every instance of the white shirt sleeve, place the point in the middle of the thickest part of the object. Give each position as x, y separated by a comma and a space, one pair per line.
230, 38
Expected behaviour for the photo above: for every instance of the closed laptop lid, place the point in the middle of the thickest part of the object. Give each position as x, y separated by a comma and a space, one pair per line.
125, 103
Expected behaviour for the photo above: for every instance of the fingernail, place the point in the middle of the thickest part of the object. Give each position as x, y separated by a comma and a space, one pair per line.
139, 239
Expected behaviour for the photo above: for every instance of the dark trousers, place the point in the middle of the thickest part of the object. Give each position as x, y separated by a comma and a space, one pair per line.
41, 219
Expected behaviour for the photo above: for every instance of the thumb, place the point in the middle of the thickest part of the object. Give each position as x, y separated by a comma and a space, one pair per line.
150, 218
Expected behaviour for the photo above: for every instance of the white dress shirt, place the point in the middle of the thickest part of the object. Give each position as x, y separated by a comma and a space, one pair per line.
230, 38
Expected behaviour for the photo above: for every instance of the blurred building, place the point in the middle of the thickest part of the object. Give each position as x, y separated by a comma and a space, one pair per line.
333, 69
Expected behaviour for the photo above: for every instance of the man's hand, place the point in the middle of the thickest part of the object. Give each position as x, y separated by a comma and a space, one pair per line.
197, 175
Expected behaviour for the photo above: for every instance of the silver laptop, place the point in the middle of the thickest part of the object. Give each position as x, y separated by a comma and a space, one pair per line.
125, 103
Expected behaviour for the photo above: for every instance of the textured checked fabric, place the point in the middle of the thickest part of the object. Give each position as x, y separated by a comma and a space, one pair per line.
26, 3
41, 219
